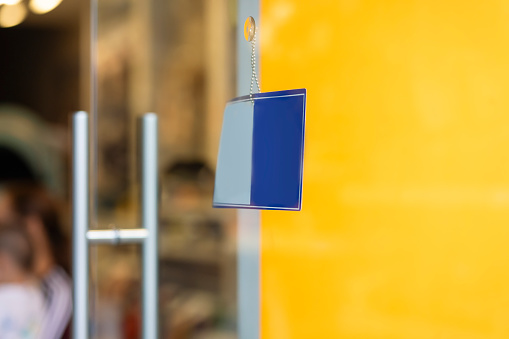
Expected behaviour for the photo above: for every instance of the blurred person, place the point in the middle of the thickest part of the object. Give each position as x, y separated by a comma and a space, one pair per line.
21, 299
32, 204
118, 309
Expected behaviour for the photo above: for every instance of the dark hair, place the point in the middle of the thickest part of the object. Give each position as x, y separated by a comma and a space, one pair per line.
15, 243
33, 200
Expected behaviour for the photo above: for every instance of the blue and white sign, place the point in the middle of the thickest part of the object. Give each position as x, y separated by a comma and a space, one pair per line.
260, 160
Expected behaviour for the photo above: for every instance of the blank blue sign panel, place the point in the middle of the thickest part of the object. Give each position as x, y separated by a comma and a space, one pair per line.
260, 160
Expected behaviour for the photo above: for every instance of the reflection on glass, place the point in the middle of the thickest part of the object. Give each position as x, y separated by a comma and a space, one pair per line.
152, 57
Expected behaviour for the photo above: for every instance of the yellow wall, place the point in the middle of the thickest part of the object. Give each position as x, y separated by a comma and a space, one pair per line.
404, 231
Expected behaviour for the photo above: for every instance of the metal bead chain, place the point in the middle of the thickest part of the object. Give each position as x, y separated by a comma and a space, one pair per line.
253, 68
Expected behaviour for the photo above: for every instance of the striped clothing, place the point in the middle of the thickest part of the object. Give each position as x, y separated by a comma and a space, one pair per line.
57, 290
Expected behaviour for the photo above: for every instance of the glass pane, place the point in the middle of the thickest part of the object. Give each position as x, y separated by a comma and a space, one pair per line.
39, 87
174, 58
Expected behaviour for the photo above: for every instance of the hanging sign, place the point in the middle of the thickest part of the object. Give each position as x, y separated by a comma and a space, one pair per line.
260, 160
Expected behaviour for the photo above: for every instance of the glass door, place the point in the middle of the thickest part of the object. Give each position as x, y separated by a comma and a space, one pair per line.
176, 59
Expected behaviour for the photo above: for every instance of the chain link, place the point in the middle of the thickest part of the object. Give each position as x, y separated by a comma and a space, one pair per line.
253, 68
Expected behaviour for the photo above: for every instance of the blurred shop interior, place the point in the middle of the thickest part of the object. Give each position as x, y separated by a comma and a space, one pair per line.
175, 58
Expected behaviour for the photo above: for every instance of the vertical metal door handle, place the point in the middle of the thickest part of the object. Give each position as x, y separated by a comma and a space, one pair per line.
80, 214
148, 235
149, 219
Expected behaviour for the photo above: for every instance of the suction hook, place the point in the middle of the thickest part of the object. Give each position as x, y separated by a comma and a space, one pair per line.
249, 28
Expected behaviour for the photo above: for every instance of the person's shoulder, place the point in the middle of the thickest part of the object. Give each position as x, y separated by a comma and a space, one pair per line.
18, 289
27, 294
9, 292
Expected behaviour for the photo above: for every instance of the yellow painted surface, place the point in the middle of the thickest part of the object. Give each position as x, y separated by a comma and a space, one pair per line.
404, 231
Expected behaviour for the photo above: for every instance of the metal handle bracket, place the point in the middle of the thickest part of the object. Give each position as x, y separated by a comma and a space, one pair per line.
117, 236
